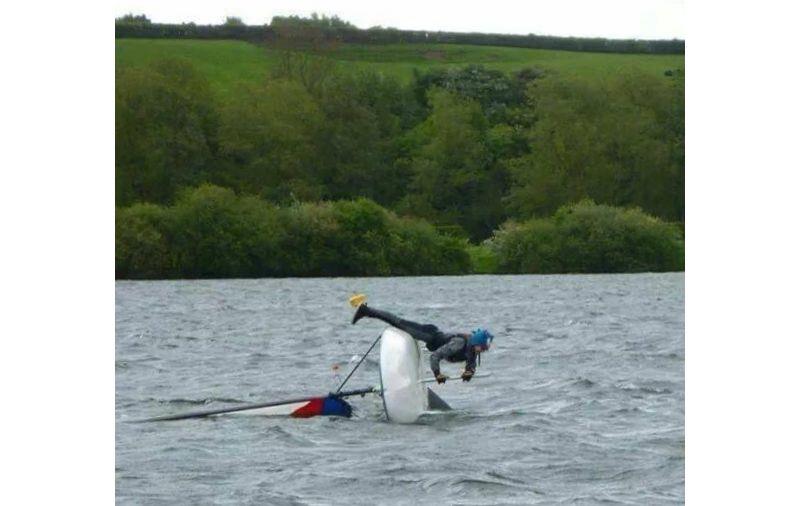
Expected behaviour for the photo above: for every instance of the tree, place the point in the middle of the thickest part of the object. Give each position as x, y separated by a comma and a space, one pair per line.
317, 20
233, 21
130, 19
307, 68
142, 243
166, 129
452, 167
364, 113
494, 90
268, 141
614, 142
218, 234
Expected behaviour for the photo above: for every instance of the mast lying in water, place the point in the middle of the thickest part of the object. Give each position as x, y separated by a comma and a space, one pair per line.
305, 407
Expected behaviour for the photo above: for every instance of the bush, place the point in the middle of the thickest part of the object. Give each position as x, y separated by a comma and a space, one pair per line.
419, 249
211, 232
482, 259
363, 237
360, 238
587, 237
142, 247
214, 235
307, 248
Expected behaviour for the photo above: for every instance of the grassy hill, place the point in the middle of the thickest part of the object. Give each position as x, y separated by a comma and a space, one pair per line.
228, 62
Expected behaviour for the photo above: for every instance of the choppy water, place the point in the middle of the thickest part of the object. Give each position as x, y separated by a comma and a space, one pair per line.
585, 404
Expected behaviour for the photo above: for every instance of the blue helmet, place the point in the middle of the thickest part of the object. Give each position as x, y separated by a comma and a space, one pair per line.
481, 337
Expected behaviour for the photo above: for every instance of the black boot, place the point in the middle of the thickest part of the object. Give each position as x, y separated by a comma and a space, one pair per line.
385, 316
361, 312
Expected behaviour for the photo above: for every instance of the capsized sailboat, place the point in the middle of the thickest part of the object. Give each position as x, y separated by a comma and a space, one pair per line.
403, 390
405, 395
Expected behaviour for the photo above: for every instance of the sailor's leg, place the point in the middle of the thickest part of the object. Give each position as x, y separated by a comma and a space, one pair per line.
425, 332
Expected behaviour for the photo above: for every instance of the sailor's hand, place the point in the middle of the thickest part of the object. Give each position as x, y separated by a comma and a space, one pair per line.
441, 378
467, 375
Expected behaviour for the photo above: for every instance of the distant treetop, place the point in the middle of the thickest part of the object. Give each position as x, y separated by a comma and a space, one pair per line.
130, 19
234, 21
319, 28
316, 20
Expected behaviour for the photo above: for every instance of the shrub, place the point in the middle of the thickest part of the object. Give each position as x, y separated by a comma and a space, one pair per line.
307, 248
586, 237
211, 232
419, 249
482, 259
142, 248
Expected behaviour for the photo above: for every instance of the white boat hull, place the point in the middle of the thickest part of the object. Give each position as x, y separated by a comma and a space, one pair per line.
404, 397
282, 410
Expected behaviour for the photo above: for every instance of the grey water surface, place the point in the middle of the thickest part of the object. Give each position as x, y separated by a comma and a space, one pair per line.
584, 405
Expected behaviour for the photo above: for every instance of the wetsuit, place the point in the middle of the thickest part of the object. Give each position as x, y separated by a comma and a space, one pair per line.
452, 347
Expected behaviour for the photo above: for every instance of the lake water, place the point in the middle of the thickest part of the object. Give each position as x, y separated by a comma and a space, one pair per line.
584, 405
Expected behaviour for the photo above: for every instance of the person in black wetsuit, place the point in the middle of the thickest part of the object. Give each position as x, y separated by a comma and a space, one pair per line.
453, 347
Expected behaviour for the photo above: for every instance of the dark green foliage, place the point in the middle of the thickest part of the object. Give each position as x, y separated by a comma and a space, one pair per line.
130, 19
142, 242
212, 233
619, 143
342, 238
316, 20
218, 234
483, 258
419, 249
269, 139
495, 91
126, 29
336, 138
364, 114
363, 237
455, 180
359, 238
587, 237
675, 130
166, 128
323, 153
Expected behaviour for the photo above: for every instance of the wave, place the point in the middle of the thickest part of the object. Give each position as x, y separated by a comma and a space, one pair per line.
193, 402
632, 387
481, 484
583, 382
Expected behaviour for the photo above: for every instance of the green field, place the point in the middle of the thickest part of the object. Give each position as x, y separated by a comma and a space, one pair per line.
229, 62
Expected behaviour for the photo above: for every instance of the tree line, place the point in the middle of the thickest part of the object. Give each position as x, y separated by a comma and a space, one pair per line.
333, 29
210, 232
468, 155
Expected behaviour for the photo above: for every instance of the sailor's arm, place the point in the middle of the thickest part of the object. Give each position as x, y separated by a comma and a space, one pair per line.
471, 359
452, 347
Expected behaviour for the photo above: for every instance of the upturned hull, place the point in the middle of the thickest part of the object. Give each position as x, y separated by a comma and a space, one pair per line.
404, 396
